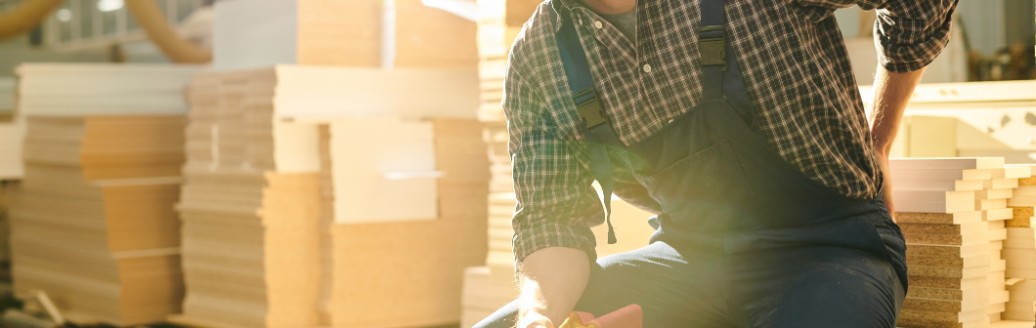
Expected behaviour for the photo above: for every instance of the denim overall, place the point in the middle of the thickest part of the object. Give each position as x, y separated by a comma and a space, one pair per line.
744, 239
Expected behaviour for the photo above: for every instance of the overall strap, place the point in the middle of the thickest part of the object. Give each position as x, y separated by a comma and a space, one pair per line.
712, 45
598, 132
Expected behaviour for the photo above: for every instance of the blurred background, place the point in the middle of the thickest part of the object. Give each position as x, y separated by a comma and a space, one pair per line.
341, 163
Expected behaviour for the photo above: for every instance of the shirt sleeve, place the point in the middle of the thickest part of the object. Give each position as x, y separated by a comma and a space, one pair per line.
557, 204
910, 34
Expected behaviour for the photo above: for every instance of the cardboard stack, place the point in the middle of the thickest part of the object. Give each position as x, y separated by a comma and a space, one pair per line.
92, 223
952, 213
1020, 250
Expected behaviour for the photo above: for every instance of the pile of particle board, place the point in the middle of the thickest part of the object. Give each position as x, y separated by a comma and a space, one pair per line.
11, 131
349, 222
407, 271
249, 208
1020, 250
952, 213
93, 224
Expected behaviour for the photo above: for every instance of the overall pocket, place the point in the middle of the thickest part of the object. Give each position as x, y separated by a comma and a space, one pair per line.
703, 191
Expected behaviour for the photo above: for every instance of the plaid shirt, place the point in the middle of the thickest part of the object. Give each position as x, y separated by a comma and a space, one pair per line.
797, 73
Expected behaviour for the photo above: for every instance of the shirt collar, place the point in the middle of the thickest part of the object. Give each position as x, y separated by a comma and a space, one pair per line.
562, 8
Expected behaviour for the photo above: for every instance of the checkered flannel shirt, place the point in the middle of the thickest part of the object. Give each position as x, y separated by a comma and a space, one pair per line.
797, 73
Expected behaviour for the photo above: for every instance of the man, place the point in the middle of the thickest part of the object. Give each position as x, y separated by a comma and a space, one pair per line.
739, 123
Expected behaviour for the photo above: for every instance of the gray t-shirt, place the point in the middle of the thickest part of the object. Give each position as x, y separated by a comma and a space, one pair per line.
625, 22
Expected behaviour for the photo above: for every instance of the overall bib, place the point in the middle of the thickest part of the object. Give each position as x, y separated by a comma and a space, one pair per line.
744, 239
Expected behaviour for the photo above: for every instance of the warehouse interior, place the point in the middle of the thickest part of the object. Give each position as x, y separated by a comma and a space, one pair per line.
344, 163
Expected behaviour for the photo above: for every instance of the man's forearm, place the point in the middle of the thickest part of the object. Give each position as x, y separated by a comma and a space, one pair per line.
552, 281
891, 93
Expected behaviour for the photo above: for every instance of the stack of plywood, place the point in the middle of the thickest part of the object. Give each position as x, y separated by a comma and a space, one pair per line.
11, 131
952, 213
249, 207
93, 224
1020, 250
288, 226
399, 267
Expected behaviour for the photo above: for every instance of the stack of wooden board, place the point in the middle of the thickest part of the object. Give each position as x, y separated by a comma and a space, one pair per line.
370, 33
288, 226
249, 208
397, 268
93, 222
11, 131
1020, 250
952, 213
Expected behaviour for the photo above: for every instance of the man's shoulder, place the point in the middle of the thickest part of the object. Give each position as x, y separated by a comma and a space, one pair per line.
532, 44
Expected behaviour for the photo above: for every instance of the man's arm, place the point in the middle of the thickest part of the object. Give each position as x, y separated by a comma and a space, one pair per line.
892, 91
909, 35
557, 205
552, 280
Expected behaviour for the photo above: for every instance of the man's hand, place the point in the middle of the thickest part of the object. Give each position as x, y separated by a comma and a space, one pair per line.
886, 187
534, 319
892, 91
552, 281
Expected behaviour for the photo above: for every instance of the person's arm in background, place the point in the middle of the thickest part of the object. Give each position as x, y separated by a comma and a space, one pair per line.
909, 35
556, 207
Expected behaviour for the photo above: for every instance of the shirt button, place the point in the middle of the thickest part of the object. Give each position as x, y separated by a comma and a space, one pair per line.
647, 68
598, 24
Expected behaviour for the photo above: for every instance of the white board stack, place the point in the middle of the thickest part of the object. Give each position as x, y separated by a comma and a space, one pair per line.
952, 212
1020, 250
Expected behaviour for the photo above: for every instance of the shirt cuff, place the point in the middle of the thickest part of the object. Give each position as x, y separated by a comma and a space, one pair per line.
909, 57
531, 239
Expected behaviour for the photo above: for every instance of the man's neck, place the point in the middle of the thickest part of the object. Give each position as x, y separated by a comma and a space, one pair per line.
610, 7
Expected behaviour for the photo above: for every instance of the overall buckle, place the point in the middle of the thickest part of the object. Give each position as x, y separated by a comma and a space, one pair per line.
590, 109
712, 45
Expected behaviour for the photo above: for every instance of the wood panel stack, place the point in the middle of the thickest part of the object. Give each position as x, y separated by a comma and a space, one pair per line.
249, 210
952, 213
265, 238
11, 131
92, 222
396, 273
1020, 250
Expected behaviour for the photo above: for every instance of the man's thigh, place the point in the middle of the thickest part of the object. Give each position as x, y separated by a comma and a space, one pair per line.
818, 287
674, 289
